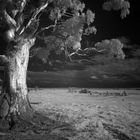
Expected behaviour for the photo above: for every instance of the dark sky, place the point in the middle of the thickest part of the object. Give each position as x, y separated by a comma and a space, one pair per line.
110, 25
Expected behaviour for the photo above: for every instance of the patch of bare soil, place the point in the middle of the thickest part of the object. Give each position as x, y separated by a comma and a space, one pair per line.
83, 114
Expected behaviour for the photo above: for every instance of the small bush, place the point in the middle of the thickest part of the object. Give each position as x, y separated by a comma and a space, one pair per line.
85, 91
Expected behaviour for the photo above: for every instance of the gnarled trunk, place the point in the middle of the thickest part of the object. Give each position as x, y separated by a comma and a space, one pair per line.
14, 102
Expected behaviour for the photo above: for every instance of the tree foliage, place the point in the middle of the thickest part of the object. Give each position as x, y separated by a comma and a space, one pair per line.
67, 34
21, 18
68, 19
122, 5
112, 48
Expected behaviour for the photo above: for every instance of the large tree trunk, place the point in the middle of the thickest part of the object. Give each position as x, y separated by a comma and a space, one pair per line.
14, 103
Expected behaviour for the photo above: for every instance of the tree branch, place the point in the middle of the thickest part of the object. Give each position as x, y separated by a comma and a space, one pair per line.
45, 28
84, 52
66, 15
79, 54
94, 49
37, 11
9, 19
3, 59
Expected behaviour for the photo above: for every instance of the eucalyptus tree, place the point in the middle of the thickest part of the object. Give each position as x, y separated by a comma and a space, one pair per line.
20, 26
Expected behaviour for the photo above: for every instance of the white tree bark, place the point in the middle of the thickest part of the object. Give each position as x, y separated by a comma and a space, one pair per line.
14, 97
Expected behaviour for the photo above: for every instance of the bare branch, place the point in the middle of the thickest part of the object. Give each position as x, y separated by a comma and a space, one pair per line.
79, 54
69, 16
9, 19
46, 28
94, 49
3, 59
37, 11
68, 13
84, 52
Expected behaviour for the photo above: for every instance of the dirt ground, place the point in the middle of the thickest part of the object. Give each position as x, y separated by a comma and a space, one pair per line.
84, 114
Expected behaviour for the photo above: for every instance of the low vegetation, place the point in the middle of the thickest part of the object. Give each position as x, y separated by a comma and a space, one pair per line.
75, 116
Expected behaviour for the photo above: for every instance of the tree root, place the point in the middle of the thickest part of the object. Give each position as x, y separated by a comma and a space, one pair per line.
26, 119
38, 124
38, 127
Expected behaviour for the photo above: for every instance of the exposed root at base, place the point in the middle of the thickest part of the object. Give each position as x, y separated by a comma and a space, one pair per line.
38, 124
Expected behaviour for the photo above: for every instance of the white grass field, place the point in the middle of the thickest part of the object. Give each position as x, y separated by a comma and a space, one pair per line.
95, 114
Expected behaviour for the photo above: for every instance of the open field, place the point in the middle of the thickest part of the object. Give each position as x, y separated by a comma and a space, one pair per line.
104, 106
84, 114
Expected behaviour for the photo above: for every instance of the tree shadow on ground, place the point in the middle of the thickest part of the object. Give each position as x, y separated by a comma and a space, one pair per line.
40, 128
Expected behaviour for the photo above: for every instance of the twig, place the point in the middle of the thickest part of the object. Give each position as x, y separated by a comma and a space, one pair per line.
46, 28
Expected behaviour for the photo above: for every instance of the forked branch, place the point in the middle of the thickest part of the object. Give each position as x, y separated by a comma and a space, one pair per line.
35, 14
9, 19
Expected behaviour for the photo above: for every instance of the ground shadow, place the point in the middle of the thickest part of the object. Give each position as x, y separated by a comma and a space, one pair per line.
40, 128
